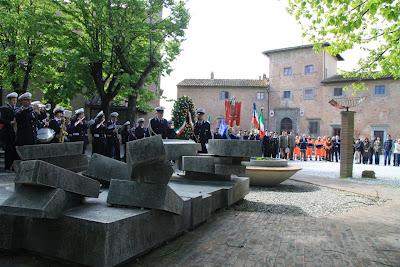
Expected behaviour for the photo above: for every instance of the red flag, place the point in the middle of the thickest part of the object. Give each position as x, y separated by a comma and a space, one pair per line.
238, 106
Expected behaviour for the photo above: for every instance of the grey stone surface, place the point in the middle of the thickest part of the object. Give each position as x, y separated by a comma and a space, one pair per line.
39, 202
234, 148
201, 176
104, 169
144, 195
266, 163
145, 151
176, 149
225, 169
154, 173
368, 174
203, 164
75, 163
49, 150
37, 172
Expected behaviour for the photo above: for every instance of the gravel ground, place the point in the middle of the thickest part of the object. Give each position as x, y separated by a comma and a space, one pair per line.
297, 199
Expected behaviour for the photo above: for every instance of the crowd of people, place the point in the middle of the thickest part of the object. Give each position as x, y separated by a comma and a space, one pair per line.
21, 119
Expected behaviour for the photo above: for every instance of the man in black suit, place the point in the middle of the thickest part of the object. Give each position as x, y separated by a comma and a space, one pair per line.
202, 132
7, 118
27, 118
158, 125
78, 127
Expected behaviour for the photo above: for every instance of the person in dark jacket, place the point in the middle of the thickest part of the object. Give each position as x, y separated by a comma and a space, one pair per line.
7, 118
127, 135
158, 125
112, 140
27, 119
98, 131
367, 150
359, 150
336, 148
140, 131
303, 147
267, 145
56, 124
78, 127
275, 145
202, 131
217, 135
171, 134
387, 149
245, 135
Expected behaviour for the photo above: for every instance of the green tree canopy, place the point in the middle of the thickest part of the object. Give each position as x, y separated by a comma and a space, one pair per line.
371, 25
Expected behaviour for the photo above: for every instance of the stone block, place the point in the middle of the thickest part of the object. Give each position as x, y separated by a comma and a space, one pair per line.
234, 148
75, 163
200, 176
225, 169
176, 149
104, 169
10, 232
154, 173
203, 164
43, 151
143, 195
37, 172
39, 202
368, 174
145, 151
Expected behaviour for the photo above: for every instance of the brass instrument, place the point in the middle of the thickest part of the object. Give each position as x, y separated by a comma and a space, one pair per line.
63, 132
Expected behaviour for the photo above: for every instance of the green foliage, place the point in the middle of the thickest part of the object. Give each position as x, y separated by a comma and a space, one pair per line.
179, 115
369, 25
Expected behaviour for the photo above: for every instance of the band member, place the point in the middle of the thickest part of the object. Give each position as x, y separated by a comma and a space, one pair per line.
7, 118
78, 128
171, 134
127, 135
56, 124
98, 130
27, 118
202, 132
140, 130
158, 125
112, 140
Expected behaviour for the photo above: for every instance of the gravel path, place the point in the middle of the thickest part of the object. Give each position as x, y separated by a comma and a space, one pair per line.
296, 198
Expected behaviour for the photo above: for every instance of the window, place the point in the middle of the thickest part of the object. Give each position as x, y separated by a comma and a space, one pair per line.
379, 90
308, 93
287, 94
309, 69
223, 95
260, 96
313, 128
337, 91
287, 71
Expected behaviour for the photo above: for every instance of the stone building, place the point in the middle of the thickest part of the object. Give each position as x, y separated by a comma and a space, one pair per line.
295, 96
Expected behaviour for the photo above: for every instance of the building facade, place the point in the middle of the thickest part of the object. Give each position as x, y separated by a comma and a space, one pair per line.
301, 82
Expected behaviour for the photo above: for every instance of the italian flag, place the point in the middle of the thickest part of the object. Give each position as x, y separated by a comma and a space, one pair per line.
262, 126
181, 129
190, 120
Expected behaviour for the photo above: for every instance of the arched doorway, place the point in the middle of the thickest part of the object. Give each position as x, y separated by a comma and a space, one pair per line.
286, 124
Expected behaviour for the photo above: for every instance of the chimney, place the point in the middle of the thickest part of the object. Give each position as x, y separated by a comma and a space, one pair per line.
264, 76
212, 75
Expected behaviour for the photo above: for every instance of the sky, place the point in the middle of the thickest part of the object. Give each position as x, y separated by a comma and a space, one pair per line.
227, 37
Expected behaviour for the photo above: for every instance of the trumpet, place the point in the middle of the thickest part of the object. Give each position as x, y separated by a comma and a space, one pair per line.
38, 106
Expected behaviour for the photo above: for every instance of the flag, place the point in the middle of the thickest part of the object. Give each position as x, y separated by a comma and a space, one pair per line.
262, 126
222, 127
209, 119
190, 120
254, 119
181, 129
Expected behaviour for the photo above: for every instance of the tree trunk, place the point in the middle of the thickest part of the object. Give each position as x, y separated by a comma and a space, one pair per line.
12, 62
132, 102
27, 73
106, 106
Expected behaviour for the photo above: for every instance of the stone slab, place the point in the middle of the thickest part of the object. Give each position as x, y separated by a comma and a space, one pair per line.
203, 164
37, 172
145, 151
234, 148
39, 202
175, 149
200, 176
143, 195
154, 173
43, 151
104, 169
226, 169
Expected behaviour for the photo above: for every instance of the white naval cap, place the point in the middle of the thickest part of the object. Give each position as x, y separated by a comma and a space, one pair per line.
160, 109
12, 95
78, 111
58, 109
201, 111
26, 95
114, 114
101, 113
140, 120
127, 123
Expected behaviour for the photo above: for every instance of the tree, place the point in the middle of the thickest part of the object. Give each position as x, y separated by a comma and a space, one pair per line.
180, 116
371, 25
121, 45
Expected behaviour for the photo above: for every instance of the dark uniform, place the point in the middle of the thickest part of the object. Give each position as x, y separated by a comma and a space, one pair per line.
55, 125
202, 134
267, 146
171, 134
98, 131
140, 132
27, 123
159, 127
8, 135
77, 131
112, 141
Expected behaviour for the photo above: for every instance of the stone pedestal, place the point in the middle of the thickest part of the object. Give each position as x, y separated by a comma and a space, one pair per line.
346, 145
